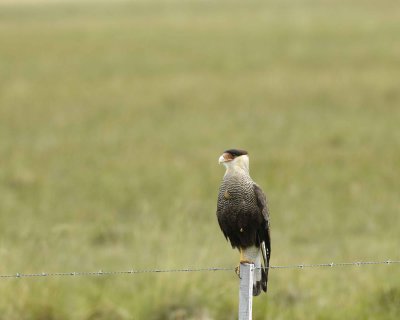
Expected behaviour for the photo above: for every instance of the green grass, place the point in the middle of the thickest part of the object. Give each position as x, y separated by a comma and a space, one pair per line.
113, 116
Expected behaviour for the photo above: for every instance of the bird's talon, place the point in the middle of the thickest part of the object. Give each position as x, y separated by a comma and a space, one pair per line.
237, 271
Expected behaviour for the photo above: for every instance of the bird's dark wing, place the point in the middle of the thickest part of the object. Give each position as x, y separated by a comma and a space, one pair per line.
222, 225
221, 218
264, 231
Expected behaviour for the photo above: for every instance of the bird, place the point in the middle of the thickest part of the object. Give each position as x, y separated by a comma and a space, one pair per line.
243, 216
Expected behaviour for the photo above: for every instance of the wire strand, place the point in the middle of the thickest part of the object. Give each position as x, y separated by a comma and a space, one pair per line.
133, 271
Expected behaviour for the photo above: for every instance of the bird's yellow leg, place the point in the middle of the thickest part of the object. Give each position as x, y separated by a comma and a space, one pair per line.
242, 260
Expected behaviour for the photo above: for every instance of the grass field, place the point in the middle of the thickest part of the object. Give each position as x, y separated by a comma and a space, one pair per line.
113, 116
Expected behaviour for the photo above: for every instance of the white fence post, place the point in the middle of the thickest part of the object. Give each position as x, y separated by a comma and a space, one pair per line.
246, 291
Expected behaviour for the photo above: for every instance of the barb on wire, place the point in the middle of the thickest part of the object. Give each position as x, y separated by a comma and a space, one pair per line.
133, 271
333, 264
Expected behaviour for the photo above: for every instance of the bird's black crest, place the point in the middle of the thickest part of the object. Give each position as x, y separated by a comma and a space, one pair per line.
236, 152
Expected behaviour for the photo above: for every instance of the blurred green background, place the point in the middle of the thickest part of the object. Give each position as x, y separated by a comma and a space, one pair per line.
113, 116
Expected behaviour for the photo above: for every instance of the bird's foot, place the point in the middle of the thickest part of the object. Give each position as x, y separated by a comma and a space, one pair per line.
237, 269
246, 261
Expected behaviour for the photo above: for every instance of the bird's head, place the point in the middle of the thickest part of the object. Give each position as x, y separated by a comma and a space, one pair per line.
235, 159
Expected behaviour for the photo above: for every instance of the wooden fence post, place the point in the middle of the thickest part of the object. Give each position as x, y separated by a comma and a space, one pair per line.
246, 291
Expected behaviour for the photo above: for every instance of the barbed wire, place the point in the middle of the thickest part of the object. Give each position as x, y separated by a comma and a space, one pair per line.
133, 271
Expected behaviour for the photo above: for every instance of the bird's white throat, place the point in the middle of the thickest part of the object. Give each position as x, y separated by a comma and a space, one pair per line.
239, 165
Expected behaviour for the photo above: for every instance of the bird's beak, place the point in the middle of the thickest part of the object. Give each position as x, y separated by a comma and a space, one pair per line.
224, 158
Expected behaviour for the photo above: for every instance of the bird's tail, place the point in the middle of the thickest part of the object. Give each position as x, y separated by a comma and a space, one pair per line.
260, 277
265, 268
253, 254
